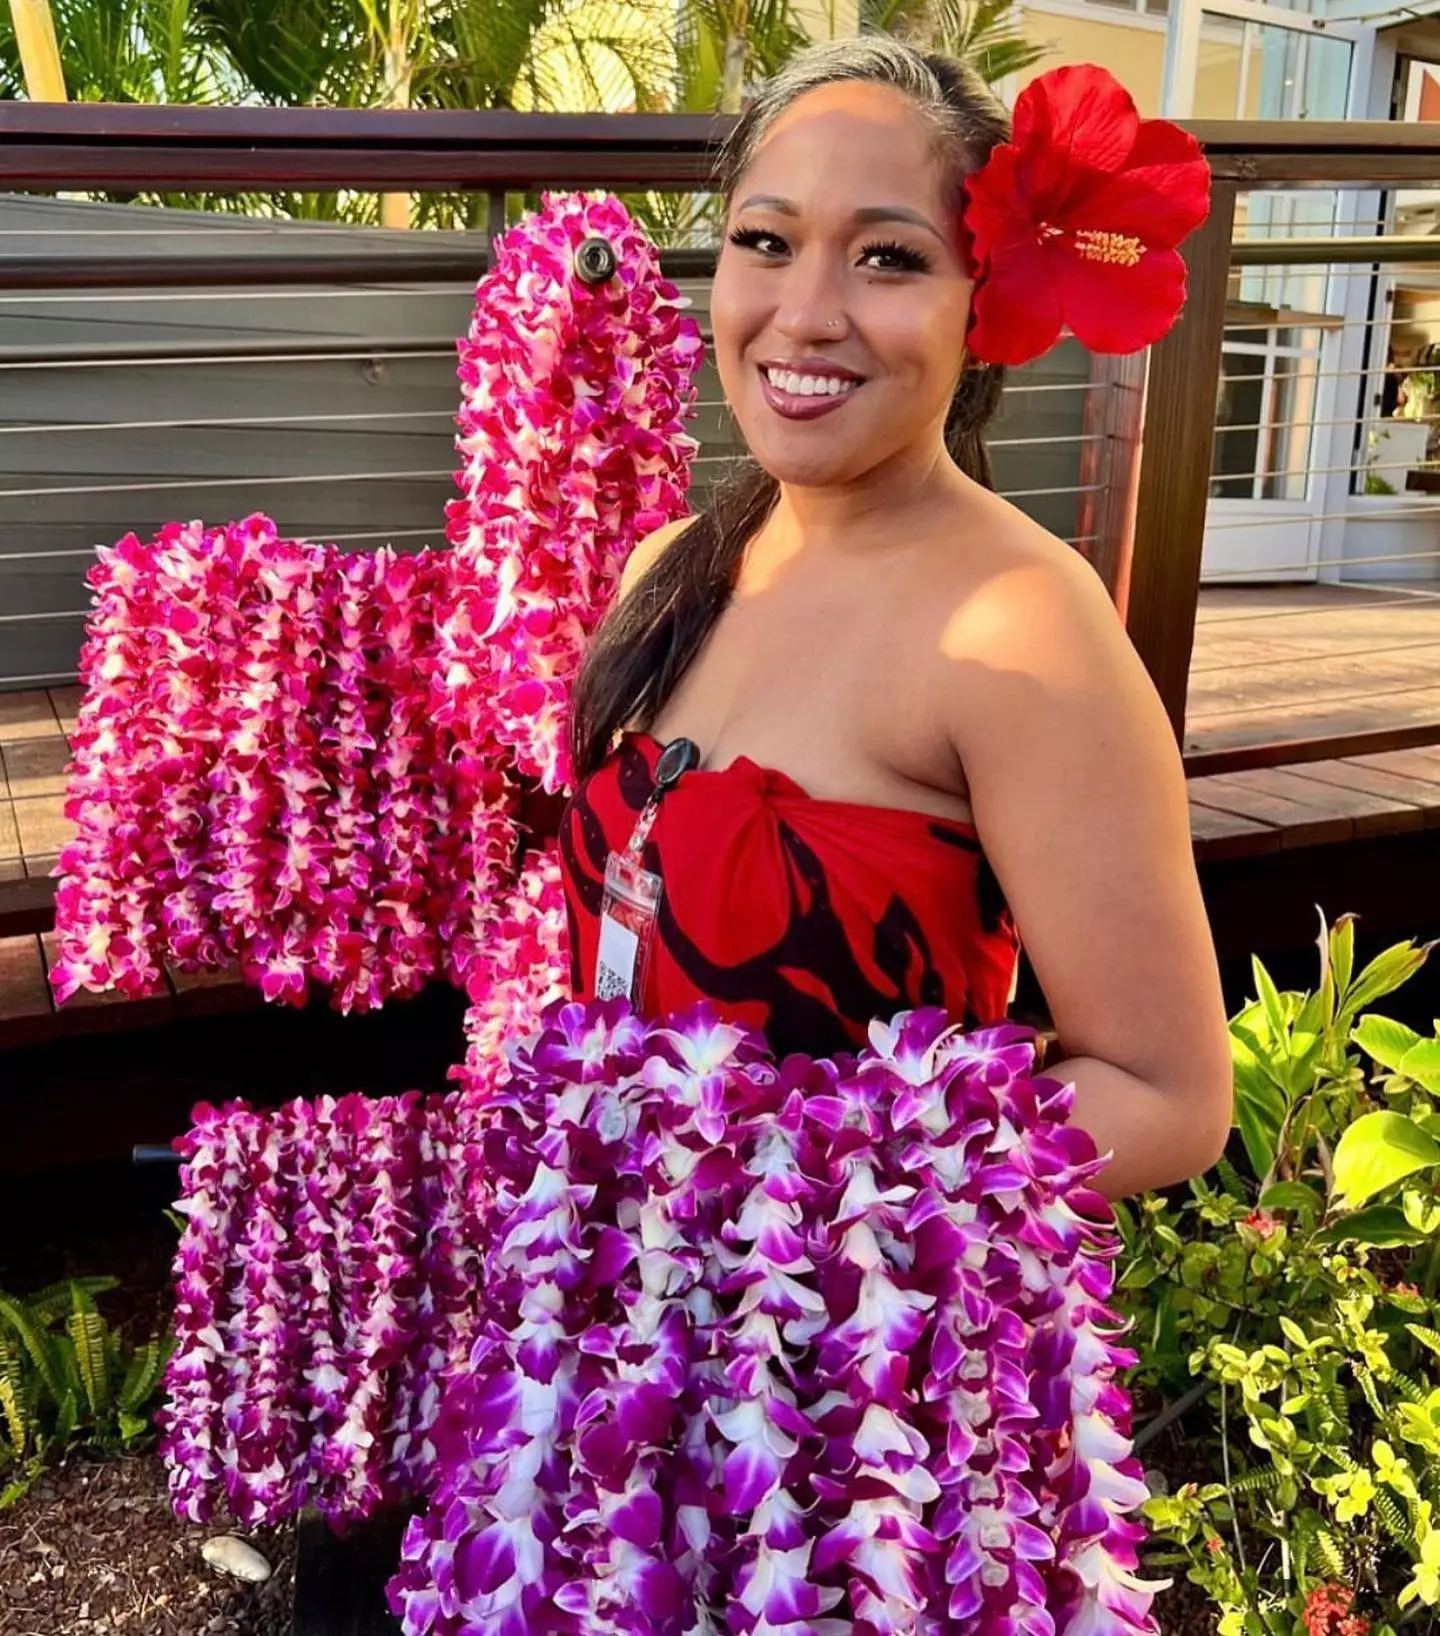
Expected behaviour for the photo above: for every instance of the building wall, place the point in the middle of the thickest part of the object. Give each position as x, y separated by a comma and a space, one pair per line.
100, 441
1132, 47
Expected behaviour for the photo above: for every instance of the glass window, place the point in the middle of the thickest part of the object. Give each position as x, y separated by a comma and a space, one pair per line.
1265, 414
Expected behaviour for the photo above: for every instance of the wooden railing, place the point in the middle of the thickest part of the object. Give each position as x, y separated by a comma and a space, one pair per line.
1146, 475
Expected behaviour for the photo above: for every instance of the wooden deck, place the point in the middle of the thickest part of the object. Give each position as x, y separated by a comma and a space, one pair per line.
1270, 663
1281, 662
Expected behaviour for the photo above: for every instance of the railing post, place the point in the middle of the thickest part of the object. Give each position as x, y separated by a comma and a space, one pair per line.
1110, 468
1173, 489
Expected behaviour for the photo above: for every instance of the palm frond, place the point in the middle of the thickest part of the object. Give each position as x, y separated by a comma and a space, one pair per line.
985, 33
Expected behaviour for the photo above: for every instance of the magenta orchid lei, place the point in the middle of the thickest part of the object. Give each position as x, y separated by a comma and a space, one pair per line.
305, 760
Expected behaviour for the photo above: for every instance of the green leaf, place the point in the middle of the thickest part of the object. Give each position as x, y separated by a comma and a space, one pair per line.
1384, 1040
1259, 1103
1342, 953
1383, 1225
1422, 1064
132, 1426
1305, 1201
1270, 999
1385, 973
1377, 1151
1293, 1332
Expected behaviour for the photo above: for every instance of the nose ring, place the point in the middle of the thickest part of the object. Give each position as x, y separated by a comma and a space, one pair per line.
832, 323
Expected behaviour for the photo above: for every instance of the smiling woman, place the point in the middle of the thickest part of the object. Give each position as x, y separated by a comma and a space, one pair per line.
860, 634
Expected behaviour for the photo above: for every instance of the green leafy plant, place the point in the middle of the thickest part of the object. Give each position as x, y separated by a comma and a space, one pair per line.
67, 1377
1286, 1312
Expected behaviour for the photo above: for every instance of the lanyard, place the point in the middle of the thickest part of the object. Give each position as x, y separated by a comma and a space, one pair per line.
630, 907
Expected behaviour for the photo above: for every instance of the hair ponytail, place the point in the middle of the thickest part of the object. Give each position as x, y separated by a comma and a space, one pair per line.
650, 638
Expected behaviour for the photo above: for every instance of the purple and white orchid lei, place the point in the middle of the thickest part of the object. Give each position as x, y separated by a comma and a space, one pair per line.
324, 1286
815, 1347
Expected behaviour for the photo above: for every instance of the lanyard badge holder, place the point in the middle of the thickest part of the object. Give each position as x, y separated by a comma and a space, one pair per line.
630, 907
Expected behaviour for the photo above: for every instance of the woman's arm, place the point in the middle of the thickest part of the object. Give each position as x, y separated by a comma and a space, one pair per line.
1079, 795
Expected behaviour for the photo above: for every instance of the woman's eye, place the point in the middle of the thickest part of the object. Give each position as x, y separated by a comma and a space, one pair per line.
756, 238
896, 258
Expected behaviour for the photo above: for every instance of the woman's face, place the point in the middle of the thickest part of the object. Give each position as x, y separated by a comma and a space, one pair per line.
840, 301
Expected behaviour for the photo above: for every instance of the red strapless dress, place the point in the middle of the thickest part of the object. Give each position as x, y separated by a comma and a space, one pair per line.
802, 917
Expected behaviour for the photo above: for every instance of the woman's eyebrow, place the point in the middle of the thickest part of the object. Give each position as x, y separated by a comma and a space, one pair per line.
865, 213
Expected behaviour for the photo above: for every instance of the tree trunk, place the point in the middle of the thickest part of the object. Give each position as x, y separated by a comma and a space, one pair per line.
39, 53
399, 75
737, 49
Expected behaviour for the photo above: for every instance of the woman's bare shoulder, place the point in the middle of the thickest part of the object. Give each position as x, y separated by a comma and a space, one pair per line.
1010, 576
648, 551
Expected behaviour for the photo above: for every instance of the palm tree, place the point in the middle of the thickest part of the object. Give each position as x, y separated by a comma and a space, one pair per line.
129, 51
985, 33
725, 44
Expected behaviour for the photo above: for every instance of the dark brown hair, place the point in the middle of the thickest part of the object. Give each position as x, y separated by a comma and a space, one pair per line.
645, 644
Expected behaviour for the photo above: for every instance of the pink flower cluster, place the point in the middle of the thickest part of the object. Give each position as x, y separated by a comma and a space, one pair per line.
306, 760
325, 1283
808, 1348
582, 389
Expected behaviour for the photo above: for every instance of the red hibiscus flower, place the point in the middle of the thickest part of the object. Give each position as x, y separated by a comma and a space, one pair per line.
1074, 222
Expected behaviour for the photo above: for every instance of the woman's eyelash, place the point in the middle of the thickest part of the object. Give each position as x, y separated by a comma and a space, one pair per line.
751, 238
909, 259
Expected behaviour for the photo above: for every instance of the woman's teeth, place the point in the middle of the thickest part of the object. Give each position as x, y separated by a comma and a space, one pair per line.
808, 386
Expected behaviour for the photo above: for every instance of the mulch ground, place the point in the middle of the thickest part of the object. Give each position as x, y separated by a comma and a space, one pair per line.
94, 1550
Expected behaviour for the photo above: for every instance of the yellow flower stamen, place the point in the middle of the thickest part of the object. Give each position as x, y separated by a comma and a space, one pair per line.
1115, 249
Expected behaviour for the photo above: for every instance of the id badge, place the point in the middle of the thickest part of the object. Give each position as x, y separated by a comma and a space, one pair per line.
628, 913
630, 906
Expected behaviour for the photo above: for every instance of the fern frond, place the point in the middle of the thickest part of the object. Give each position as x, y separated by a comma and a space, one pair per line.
49, 1305
37, 1344
1303, 1537
12, 1360
1330, 1553
1339, 1401
89, 1334
1394, 1519
67, 1417
1426, 1336
1367, 1386
1259, 1481
142, 1376
1231, 1180
1408, 1388
17, 1422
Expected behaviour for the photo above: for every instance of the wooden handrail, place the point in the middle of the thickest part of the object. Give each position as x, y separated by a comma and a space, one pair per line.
125, 146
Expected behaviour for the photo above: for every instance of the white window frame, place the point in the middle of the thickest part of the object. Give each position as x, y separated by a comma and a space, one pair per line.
1271, 350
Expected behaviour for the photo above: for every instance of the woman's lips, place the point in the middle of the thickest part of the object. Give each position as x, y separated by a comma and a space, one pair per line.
799, 406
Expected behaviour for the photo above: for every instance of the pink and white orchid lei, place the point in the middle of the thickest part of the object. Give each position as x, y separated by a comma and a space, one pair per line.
306, 760
574, 397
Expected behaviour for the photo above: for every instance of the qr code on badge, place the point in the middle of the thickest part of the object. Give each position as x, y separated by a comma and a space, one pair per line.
610, 985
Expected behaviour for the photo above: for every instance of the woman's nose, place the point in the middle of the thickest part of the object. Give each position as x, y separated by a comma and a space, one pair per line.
812, 306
